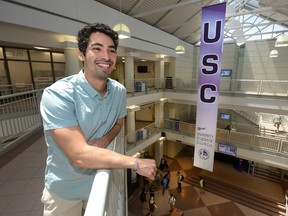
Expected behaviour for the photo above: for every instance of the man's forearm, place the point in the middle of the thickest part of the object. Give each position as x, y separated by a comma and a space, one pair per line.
110, 136
104, 141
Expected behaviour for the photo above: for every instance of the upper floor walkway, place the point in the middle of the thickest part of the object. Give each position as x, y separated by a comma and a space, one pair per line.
20, 117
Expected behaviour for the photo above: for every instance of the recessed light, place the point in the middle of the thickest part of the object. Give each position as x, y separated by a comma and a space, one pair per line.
41, 48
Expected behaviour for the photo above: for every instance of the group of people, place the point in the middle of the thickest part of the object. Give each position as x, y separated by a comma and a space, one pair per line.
149, 205
162, 178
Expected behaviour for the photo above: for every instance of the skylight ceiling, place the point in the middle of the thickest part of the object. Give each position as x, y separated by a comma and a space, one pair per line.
254, 24
259, 19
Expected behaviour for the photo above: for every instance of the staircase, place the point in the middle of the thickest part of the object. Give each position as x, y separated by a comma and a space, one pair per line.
270, 174
252, 117
240, 195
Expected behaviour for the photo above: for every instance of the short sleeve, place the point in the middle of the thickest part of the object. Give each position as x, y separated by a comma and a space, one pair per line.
123, 111
57, 109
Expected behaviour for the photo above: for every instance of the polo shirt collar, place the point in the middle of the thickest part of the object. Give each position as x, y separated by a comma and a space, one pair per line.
87, 87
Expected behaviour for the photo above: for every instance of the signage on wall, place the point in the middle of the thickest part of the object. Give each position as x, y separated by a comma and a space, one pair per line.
20, 54
226, 149
226, 73
14, 54
224, 116
211, 49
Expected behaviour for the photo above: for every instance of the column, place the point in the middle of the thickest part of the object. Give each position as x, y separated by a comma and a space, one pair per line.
159, 150
131, 126
159, 114
72, 63
159, 74
129, 73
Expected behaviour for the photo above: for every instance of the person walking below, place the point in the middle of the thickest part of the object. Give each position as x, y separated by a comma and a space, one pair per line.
143, 197
277, 119
167, 176
201, 184
152, 205
180, 179
164, 183
157, 179
172, 202
152, 191
163, 164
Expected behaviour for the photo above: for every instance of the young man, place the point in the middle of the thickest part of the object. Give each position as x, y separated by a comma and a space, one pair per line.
172, 202
180, 179
277, 119
81, 115
201, 184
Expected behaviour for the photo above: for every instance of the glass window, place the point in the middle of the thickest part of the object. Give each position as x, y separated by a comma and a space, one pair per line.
19, 72
59, 70
1, 53
39, 55
42, 72
41, 69
17, 54
3, 78
58, 57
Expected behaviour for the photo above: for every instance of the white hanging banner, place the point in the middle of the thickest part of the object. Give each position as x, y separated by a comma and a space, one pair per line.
211, 49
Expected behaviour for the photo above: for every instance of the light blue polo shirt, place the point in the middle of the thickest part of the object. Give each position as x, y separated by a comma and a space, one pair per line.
73, 102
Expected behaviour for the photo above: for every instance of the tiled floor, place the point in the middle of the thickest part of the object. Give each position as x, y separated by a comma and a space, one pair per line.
208, 204
21, 185
21, 182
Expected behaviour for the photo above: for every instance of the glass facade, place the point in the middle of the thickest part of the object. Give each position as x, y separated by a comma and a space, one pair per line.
29, 66
36, 55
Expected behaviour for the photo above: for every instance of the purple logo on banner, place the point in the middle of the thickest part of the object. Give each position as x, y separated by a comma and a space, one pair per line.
211, 49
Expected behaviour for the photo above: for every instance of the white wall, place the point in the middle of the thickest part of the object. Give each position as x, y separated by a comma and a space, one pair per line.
258, 65
184, 63
230, 58
252, 61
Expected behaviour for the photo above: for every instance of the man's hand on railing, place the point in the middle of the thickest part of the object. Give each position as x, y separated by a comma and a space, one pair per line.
146, 167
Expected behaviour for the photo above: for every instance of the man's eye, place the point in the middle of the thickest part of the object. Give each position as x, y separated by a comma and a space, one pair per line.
96, 48
112, 51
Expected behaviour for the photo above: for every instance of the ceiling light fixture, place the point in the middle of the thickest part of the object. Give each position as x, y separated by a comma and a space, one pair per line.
233, 24
282, 41
180, 49
273, 54
240, 40
41, 48
122, 29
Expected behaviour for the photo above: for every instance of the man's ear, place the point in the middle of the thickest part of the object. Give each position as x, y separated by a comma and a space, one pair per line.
81, 56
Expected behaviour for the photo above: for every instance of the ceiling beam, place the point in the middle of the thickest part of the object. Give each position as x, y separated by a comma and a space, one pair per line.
230, 15
257, 11
169, 7
138, 4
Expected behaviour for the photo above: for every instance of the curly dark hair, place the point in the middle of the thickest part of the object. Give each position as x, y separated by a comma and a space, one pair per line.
84, 34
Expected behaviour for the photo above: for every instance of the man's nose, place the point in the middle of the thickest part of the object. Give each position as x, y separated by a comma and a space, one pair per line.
105, 54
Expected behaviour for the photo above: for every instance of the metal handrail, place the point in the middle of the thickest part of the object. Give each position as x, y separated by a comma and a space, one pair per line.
96, 205
236, 86
269, 145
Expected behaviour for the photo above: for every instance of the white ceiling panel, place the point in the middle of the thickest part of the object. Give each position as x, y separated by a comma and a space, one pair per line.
182, 18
